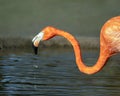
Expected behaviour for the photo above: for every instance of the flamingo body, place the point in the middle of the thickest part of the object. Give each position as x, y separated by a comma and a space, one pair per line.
111, 34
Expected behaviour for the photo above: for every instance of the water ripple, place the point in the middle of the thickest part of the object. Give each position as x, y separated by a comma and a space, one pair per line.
56, 75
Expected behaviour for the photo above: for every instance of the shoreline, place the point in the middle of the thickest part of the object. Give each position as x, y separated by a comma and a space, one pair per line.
20, 42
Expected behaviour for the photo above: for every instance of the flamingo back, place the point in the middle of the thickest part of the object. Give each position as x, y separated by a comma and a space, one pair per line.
110, 34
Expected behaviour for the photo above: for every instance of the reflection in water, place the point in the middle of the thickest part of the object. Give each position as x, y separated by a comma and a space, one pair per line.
56, 74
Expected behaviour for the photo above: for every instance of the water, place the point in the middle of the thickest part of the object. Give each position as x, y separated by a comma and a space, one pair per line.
55, 74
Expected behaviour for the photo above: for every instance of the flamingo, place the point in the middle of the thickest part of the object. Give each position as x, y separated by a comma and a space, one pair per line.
109, 43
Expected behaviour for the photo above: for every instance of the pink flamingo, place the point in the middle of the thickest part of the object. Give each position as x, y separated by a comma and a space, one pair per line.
109, 43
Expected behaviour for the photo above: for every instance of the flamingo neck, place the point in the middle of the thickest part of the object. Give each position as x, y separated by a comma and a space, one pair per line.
81, 66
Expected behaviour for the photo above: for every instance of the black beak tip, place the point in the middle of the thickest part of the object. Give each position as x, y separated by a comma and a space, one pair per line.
35, 49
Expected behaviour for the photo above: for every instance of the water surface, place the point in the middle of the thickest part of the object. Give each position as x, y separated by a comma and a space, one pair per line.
54, 72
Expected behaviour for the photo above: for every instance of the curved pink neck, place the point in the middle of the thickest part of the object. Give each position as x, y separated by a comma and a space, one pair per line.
82, 67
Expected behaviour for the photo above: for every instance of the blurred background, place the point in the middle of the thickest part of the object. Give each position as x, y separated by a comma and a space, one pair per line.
53, 72
25, 18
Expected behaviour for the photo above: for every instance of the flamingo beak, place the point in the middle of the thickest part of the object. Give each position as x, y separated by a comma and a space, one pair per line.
35, 49
36, 40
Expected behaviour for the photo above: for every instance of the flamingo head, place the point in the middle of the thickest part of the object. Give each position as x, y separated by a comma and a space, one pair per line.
45, 34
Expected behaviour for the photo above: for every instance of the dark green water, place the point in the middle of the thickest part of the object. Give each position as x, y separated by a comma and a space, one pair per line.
54, 72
